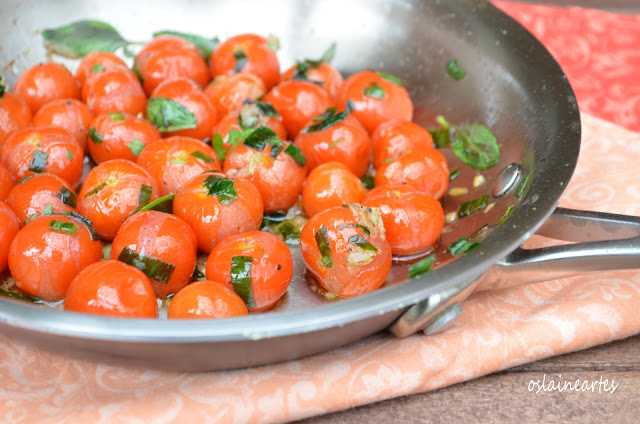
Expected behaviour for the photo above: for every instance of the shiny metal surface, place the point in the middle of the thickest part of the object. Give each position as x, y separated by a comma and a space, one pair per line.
512, 85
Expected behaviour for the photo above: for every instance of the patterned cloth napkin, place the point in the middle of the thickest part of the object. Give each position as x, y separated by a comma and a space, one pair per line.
496, 330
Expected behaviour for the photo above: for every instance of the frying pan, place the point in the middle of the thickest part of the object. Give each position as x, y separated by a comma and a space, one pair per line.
512, 85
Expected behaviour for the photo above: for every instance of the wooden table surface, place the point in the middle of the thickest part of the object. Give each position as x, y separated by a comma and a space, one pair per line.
505, 396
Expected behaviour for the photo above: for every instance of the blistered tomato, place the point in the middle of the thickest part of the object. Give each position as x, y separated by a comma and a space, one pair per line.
6, 182
376, 97
37, 193
175, 160
250, 116
45, 82
392, 138
49, 252
324, 74
335, 137
9, 227
35, 150
246, 53
216, 206
119, 136
346, 250
15, 115
69, 114
331, 184
425, 169
206, 299
110, 193
230, 92
112, 288
413, 220
164, 243
114, 90
97, 61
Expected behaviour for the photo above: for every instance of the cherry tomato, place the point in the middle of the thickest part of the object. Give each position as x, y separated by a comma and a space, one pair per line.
298, 102
112, 288
252, 115
6, 182
229, 92
216, 206
69, 114
15, 115
45, 82
189, 94
175, 160
97, 61
331, 184
36, 193
119, 136
394, 137
376, 97
345, 141
111, 191
425, 169
257, 265
246, 53
9, 227
49, 252
346, 250
324, 74
206, 299
279, 180
413, 220
114, 90
159, 236
169, 56
34, 150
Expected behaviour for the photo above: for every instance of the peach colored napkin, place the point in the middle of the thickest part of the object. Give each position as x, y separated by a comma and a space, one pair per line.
497, 330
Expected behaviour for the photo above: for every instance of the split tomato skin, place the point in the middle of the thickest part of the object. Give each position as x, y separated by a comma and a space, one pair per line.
346, 269
43, 261
169, 56
112, 288
232, 122
375, 99
326, 74
209, 216
271, 265
206, 299
110, 193
425, 169
261, 61
229, 92
96, 61
69, 114
160, 236
32, 195
45, 82
15, 115
329, 185
175, 160
6, 182
111, 136
114, 90
413, 220
9, 227
394, 137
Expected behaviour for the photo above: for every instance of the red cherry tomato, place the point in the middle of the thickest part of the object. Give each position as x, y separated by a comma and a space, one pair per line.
15, 115
119, 136
206, 299
34, 194
45, 82
9, 227
376, 97
111, 191
252, 115
392, 138
425, 169
114, 90
159, 236
216, 206
257, 265
49, 252
112, 288
346, 250
229, 92
48, 149
69, 114
324, 74
6, 182
413, 220
329, 185
96, 61
246, 53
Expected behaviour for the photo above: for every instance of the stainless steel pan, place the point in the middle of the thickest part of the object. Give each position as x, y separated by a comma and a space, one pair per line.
512, 85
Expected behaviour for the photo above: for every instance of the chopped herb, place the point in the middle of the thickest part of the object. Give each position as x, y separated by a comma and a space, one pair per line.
241, 278
479, 231
455, 173
302, 67
81, 37
322, 240
168, 115
328, 119
471, 206
374, 90
144, 196
38, 161
267, 109
95, 190
16, 295
2, 90
202, 156
206, 46
94, 136
198, 275
161, 204
153, 268
136, 147
47, 210
20, 181
296, 153
287, 231
222, 187
218, 146
474, 144
327, 56
462, 245
66, 197
335, 143
273, 43
260, 137
440, 137
454, 70
350, 106
136, 72
63, 227
241, 60
364, 229
362, 243
506, 215
422, 266
69, 154
97, 67
180, 161
368, 181
277, 146
389, 77
521, 187
88, 224
116, 117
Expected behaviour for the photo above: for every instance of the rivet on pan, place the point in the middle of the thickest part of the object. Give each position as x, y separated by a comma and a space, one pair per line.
507, 179
443, 320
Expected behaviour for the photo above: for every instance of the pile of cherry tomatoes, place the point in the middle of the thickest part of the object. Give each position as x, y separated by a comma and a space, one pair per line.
221, 145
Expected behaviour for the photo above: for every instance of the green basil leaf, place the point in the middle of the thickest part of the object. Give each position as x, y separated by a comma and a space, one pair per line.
168, 115
362, 243
95, 190
94, 136
221, 187
260, 137
267, 109
205, 46
161, 204
63, 227
322, 241
422, 266
241, 60
286, 230
297, 154
2, 90
218, 146
368, 181
462, 245
389, 77
326, 120
38, 161
136, 147
153, 268
327, 56
202, 156
476, 146
455, 71
67, 197
88, 224
69, 154
374, 91
277, 146
471, 206
81, 37
455, 173
241, 278
440, 137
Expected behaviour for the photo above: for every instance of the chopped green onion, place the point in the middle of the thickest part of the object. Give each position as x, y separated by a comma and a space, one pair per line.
95, 190
88, 224
328, 119
94, 136
180, 161
422, 266
136, 147
66, 197
222, 187
362, 243
63, 227
455, 173
202, 156
38, 161
521, 187
168, 115
153, 268
454, 70
374, 91
161, 204
241, 279
241, 60
16, 295
462, 245
506, 215
322, 240
296, 153
467, 208
144, 196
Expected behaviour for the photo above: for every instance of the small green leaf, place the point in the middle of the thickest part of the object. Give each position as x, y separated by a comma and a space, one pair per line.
206, 46
335, 143
327, 56
241, 278
63, 227
273, 43
467, 208
88, 224
506, 215
462, 245
144, 197
69, 154
16, 295
267, 109
202, 156
38, 161
179, 161
326, 120
67, 197
297, 154
94, 136
168, 115
422, 266
218, 146
161, 204
521, 187
286, 229
198, 275
2, 89
322, 241
116, 117
136, 147
374, 91
153, 268
277, 146
455, 71
368, 181
241, 59
221, 187
97, 67
81, 37
362, 243
95, 190
389, 77
476, 146
455, 173
47, 210
260, 137
440, 137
